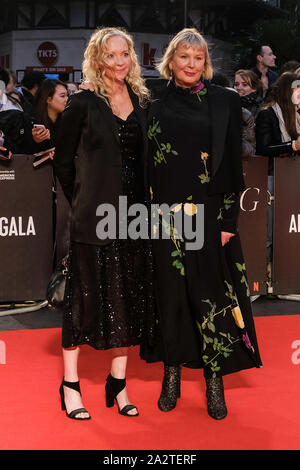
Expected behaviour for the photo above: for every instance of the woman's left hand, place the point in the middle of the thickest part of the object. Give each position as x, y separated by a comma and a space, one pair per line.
225, 237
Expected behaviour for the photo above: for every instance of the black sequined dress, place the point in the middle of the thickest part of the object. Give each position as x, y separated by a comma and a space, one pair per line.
108, 296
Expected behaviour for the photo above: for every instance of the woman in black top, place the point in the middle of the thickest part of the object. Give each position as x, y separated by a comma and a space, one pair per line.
99, 157
204, 311
278, 134
278, 123
49, 103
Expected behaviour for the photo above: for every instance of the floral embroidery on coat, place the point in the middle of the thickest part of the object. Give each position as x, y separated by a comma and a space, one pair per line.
162, 149
204, 177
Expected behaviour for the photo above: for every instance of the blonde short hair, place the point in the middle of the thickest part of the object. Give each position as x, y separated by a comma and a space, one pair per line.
93, 66
189, 37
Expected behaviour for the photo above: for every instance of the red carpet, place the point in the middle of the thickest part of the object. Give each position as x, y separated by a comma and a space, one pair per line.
263, 404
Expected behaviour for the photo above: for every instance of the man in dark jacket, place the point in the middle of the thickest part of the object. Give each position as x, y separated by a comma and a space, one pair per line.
30, 85
265, 59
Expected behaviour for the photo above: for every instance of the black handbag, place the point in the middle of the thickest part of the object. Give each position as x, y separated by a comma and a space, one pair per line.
57, 284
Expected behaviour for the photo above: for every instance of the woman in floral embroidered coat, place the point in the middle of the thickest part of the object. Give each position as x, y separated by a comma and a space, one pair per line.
204, 311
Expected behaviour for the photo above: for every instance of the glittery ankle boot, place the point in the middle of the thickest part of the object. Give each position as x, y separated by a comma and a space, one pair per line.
216, 405
170, 388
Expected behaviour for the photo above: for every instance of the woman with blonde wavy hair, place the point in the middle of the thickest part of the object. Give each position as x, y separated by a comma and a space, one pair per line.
204, 311
100, 157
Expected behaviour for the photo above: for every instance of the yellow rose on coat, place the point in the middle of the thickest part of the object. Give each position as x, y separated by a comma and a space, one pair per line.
177, 208
151, 193
190, 208
204, 155
155, 230
238, 317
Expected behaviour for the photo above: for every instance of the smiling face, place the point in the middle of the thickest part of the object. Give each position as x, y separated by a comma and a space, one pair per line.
187, 65
241, 86
117, 59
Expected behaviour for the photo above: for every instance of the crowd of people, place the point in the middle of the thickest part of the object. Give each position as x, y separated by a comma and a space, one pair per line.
42, 101
149, 140
29, 112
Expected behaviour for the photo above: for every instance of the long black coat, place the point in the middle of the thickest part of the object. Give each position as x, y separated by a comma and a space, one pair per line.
227, 123
187, 138
88, 162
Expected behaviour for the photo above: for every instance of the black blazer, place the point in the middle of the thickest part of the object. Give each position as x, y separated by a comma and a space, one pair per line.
268, 135
227, 125
88, 161
268, 138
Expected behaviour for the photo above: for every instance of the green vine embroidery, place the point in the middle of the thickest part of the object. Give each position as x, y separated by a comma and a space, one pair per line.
178, 254
242, 269
228, 201
162, 149
230, 293
204, 177
170, 231
201, 93
221, 343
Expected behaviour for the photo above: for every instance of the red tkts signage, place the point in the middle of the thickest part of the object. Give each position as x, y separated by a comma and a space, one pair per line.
47, 53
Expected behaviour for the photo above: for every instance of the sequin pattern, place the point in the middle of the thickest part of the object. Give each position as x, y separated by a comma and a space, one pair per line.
108, 300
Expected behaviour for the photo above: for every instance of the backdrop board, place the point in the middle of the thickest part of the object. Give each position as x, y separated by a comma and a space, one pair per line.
286, 231
26, 229
253, 222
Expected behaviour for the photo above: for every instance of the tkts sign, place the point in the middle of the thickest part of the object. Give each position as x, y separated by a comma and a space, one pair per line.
47, 53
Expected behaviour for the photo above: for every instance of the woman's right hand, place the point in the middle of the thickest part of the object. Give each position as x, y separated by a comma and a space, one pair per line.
40, 134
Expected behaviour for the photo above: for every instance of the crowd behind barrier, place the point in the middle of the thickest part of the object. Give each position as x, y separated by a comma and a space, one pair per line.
34, 225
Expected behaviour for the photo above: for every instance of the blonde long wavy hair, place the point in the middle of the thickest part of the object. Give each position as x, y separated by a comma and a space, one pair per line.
188, 37
94, 64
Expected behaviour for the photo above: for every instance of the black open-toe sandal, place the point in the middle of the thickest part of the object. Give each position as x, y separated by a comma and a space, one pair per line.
73, 414
113, 387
